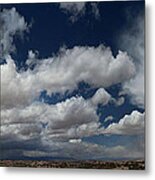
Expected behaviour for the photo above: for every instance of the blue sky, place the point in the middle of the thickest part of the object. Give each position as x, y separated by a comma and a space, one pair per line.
72, 83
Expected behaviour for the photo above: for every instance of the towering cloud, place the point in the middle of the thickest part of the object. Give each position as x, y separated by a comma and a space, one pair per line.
130, 125
134, 37
96, 66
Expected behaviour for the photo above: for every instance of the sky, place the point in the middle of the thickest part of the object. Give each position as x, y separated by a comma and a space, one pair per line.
72, 80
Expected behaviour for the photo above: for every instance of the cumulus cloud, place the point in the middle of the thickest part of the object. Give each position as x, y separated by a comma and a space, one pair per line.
12, 24
67, 121
16, 88
78, 9
73, 118
77, 118
132, 124
96, 66
134, 37
59, 129
101, 97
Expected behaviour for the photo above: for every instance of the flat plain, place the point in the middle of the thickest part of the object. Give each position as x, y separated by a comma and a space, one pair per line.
86, 164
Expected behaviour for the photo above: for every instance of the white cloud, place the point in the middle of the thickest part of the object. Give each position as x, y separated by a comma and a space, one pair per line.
32, 58
73, 118
75, 140
75, 9
101, 97
108, 118
119, 101
11, 23
96, 66
78, 9
134, 37
132, 124
16, 88
70, 120
73, 6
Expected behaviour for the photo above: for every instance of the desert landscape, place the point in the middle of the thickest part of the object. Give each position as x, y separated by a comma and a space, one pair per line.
88, 164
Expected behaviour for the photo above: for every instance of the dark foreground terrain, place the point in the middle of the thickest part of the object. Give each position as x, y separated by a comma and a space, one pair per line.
90, 164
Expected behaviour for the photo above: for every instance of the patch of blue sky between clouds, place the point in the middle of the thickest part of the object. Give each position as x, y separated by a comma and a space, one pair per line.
83, 89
